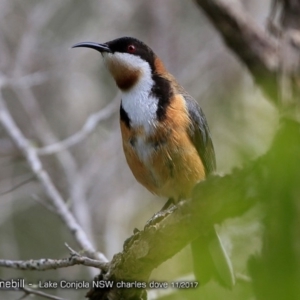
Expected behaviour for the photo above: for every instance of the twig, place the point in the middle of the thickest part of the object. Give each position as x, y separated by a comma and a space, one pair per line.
100, 259
83, 133
72, 251
44, 264
48, 206
28, 80
34, 162
18, 185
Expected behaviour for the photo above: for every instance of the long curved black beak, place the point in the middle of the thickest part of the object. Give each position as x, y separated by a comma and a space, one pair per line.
99, 47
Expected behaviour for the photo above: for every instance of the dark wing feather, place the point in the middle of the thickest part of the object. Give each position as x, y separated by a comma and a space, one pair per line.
200, 135
209, 255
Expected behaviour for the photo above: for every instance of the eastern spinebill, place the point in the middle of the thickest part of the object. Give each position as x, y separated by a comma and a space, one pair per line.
166, 139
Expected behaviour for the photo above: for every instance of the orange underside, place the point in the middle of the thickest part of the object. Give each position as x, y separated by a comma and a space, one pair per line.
174, 166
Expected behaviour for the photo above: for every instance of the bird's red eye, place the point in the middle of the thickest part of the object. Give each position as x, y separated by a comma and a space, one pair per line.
131, 48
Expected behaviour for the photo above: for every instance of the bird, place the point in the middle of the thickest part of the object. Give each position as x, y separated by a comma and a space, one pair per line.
166, 139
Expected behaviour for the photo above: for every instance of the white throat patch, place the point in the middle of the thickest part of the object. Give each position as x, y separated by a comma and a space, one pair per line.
137, 101
140, 106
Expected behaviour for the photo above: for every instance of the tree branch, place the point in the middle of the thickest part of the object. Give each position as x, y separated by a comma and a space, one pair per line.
89, 126
44, 264
214, 200
35, 164
247, 40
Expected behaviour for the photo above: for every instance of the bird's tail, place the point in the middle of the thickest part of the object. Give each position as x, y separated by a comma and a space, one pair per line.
211, 260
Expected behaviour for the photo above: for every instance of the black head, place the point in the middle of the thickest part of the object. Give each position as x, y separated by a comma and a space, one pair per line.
128, 45
128, 60
132, 46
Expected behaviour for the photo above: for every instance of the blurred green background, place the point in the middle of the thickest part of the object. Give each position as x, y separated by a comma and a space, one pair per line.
70, 84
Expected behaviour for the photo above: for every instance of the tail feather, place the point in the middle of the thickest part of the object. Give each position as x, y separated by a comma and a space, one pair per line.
212, 261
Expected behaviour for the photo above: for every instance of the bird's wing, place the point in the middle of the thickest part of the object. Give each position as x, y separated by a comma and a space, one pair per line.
200, 135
